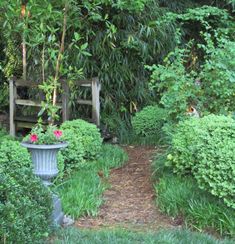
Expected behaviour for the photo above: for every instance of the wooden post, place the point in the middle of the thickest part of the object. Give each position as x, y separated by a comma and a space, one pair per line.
65, 101
12, 90
96, 101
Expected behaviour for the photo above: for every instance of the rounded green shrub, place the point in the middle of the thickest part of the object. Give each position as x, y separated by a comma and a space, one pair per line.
87, 134
3, 135
205, 148
72, 156
25, 204
149, 121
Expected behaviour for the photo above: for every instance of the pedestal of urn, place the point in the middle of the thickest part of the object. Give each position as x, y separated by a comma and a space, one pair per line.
44, 158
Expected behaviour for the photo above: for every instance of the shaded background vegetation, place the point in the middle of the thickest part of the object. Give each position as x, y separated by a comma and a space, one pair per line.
118, 40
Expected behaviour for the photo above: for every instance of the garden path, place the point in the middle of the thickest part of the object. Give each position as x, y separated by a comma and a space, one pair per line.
129, 202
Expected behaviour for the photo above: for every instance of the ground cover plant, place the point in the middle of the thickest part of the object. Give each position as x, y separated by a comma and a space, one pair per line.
113, 236
81, 193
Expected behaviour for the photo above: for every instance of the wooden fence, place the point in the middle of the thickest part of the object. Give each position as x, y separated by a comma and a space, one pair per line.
17, 121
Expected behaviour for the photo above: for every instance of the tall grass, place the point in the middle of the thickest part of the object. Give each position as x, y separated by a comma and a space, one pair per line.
178, 196
81, 194
112, 156
72, 235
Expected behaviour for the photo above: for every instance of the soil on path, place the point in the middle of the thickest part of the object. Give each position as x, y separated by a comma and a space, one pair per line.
129, 202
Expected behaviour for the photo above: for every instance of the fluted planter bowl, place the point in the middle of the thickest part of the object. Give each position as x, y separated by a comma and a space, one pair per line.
44, 158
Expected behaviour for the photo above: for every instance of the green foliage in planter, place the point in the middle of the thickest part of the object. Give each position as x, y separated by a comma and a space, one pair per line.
88, 135
149, 121
25, 204
205, 148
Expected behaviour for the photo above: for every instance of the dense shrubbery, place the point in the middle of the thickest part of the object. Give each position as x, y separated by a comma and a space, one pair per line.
84, 141
218, 78
25, 204
181, 198
176, 86
199, 73
87, 133
4, 135
205, 148
109, 39
149, 121
72, 156
210, 90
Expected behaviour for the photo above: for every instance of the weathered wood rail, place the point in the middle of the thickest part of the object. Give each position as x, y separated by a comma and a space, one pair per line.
27, 122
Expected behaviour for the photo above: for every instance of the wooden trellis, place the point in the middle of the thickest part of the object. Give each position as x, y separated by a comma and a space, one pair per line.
17, 121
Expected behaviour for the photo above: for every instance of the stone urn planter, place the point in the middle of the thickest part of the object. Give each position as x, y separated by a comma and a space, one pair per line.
44, 158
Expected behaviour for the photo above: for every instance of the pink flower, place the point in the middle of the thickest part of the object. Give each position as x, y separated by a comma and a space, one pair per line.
33, 138
57, 133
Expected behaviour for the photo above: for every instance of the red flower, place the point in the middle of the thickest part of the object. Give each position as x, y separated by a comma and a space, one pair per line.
57, 133
33, 138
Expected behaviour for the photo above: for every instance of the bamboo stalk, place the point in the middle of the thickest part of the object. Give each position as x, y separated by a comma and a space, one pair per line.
58, 62
43, 63
24, 54
24, 48
57, 70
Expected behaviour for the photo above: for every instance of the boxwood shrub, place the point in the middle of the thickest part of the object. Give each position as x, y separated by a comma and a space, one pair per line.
149, 121
84, 142
205, 148
87, 134
4, 135
25, 204
71, 157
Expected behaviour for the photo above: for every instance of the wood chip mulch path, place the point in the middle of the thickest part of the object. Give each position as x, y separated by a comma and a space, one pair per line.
130, 201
